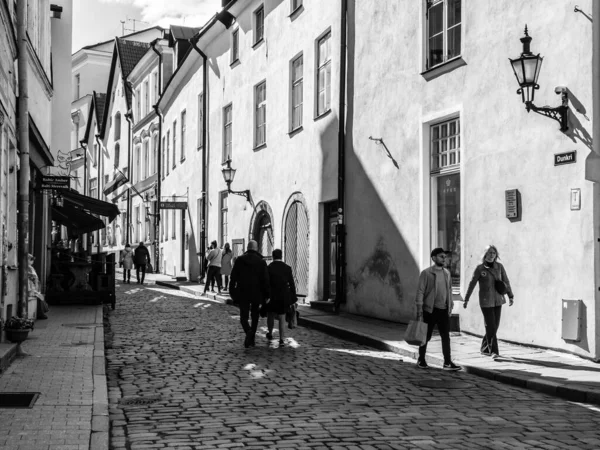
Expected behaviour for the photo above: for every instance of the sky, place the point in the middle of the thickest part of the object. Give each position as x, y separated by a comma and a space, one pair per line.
100, 20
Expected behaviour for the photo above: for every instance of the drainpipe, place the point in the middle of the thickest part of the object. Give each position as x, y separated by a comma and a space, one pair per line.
24, 173
99, 183
594, 166
128, 116
340, 228
88, 236
204, 156
158, 163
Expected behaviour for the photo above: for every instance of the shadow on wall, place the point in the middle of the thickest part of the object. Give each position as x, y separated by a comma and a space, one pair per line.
382, 273
576, 129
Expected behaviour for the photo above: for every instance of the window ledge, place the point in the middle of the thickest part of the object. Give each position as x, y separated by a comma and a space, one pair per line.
258, 43
443, 68
295, 13
260, 147
199, 148
325, 114
236, 62
295, 131
182, 160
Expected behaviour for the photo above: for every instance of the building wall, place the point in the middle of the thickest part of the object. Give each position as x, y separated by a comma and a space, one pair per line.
502, 148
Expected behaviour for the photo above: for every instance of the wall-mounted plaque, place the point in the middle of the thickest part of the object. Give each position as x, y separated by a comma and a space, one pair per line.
561, 159
511, 198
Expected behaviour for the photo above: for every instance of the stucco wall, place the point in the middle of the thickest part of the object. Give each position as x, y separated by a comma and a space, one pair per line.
549, 253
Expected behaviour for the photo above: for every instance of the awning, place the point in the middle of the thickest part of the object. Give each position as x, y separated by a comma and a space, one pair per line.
119, 180
89, 204
77, 220
144, 185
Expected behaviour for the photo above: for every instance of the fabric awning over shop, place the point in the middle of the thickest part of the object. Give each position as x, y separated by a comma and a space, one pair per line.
77, 220
119, 181
89, 204
144, 185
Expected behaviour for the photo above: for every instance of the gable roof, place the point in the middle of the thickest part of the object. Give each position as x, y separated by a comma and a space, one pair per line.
96, 107
179, 32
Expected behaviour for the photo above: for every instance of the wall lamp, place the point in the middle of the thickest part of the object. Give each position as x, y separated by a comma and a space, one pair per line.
228, 175
527, 70
226, 18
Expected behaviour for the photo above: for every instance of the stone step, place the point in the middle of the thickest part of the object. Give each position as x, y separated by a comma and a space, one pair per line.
323, 306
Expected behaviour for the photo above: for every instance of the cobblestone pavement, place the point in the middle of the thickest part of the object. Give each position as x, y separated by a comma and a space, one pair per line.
201, 389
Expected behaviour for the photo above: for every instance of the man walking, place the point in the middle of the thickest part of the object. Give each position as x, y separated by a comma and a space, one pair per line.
283, 293
141, 257
249, 286
434, 306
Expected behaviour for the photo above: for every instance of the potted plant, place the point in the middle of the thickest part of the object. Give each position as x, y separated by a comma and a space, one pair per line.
18, 328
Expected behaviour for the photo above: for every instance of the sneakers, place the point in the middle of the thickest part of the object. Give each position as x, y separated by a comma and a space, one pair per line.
421, 364
495, 355
269, 336
281, 342
486, 353
451, 366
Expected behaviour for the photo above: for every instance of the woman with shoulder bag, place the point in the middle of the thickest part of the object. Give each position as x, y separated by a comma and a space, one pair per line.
493, 285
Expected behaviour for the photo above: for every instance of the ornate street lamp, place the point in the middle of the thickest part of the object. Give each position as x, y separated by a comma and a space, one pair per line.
527, 70
228, 175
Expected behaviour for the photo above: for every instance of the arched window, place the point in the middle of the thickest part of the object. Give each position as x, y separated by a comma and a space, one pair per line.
117, 151
117, 126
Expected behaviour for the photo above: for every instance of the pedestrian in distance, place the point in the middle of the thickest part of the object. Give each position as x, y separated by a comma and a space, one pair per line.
434, 306
249, 286
127, 263
226, 265
213, 256
141, 258
283, 294
493, 285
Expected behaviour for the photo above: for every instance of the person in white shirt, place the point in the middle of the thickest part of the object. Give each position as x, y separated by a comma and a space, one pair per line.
213, 256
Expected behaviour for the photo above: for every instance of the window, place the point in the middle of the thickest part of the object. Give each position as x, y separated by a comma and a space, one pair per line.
146, 98
163, 160
200, 221
223, 217
94, 187
174, 224
146, 160
443, 31
200, 119
235, 45
155, 87
167, 152
227, 132
77, 86
259, 25
138, 224
445, 192
324, 74
117, 154
117, 126
138, 103
137, 168
174, 144
183, 117
260, 117
154, 158
162, 226
166, 222
297, 91
95, 156
123, 227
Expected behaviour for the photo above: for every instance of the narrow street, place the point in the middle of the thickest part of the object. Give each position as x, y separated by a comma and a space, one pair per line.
201, 389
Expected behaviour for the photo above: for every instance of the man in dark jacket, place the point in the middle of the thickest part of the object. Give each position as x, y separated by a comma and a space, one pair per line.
249, 286
283, 293
141, 257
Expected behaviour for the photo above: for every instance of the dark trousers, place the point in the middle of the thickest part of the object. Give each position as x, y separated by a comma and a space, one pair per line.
214, 274
491, 316
440, 318
226, 285
249, 310
126, 275
142, 268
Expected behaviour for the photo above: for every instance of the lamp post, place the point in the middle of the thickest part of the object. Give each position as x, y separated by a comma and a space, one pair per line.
228, 175
527, 70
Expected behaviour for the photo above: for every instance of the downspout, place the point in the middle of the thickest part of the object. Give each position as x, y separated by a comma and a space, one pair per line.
100, 185
128, 115
24, 172
158, 164
340, 229
593, 165
88, 243
204, 157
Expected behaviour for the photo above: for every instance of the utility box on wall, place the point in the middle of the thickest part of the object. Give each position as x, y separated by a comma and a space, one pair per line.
571, 319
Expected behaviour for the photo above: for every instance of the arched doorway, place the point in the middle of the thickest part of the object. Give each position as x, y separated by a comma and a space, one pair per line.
296, 243
263, 234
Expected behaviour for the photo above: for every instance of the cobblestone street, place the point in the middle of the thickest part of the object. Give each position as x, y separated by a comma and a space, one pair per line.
202, 389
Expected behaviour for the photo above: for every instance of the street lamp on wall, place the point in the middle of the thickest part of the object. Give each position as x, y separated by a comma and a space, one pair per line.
228, 175
527, 70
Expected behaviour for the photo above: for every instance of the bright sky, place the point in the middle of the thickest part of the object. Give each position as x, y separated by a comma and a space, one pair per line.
100, 20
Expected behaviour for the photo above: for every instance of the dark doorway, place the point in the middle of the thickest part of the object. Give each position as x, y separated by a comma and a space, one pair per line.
330, 253
296, 242
263, 235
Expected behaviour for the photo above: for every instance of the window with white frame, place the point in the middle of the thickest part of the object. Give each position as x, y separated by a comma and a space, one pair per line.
183, 125
227, 132
324, 74
138, 224
200, 221
223, 219
154, 158
94, 187
137, 168
163, 159
95, 156
200, 120
77, 86
260, 114
174, 144
117, 126
166, 150
235, 45
155, 87
146, 160
259, 25
443, 31
445, 192
138, 103
146, 98
117, 154
297, 92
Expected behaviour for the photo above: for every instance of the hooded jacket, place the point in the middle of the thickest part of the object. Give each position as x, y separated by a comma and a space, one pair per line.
249, 281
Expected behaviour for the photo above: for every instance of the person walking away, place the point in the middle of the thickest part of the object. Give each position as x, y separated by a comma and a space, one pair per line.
127, 263
213, 256
141, 257
226, 265
283, 294
434, 306
490, 299
249, 286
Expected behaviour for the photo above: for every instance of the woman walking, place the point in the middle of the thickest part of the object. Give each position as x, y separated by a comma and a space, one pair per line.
226, 265
493, 285
127, 263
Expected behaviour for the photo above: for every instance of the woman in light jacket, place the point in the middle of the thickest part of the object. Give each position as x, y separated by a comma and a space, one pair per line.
226, 265
127, 263
490, 300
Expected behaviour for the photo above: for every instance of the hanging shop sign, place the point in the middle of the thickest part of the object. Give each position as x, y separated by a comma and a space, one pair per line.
49, 182
173, 205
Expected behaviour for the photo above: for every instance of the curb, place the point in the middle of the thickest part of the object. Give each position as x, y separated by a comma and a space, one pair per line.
8, 352
99, 435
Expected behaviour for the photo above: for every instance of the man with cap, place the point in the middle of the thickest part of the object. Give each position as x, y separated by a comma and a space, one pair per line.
434, 306
249, 286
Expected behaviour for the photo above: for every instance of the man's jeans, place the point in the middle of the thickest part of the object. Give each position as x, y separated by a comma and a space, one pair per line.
440, 318
142, 268
249, 309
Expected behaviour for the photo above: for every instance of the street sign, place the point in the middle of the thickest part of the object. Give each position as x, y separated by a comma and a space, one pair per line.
565, 158
49, 182
173, 205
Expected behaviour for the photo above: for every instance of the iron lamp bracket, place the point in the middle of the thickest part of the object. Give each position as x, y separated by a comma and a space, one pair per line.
558, 113
245, 193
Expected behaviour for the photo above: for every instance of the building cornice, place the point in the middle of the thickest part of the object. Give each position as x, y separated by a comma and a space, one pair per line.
39, 71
